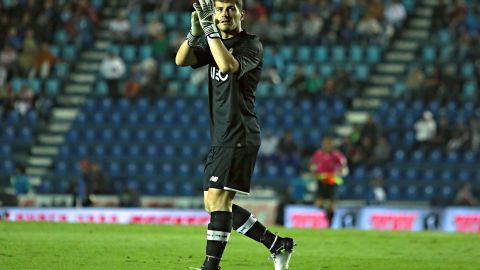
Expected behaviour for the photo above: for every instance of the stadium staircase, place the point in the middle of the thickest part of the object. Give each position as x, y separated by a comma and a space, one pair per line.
392, 69
80, 85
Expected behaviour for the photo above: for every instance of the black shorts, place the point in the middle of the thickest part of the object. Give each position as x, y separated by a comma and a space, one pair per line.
326, 191
230, 168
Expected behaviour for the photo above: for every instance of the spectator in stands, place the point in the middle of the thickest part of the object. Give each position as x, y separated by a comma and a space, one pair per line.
296, 81
329, 166
376, 194
288, 150
311, 28
3, 75
153, 83
440, 15
14, 39
7, 98
432, 85
474, 134
395, 13
160, 46
4, 24
112, 69
8, 59
415, 82
26, 60
444, 133
154, 29
138, 31
20, 181
375, 9
369, 28
465, 196
312, 87
329, 88
43, 105
451, 86
129, 198
24, 100
269, 146
44, 61
381, 152
83, 29
425, 130
459, 139
334, 29
120, 28
370, 130
98, 179
346, 86
134, 82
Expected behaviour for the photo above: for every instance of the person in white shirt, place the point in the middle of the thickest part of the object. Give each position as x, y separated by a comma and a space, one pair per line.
425, 129
112, 69
120, 28
395, 13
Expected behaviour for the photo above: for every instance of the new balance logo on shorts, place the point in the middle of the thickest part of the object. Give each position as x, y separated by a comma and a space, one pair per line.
214, 178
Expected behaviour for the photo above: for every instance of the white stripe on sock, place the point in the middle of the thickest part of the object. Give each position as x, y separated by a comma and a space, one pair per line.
218, 236
274, 241
247, 225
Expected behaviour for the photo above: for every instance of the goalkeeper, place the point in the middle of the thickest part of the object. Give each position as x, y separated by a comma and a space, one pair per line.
234, 58
329, 166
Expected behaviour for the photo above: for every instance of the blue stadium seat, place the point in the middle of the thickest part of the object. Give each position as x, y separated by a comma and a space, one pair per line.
114, 169
435, 157
52, 87
338, 54
131, 169
128, 53
429, 53
145, 52
5, 151
394, 192
286, 52
69, 53
429, 176
411, 175
61, 70
151, 187
356, 53
304, 53
470, 157
412, 192
320, 54
373, 54
166, 170
394, 175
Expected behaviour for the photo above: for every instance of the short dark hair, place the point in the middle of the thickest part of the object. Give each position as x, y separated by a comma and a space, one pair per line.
238, 3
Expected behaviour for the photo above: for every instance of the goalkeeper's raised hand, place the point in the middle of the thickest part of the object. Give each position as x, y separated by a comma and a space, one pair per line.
196, 30
206, 11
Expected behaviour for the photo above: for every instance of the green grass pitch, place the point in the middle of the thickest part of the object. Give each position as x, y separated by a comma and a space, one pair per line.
101, 246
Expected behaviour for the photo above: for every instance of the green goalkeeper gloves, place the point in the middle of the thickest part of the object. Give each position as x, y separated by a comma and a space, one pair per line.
196, 30
206, 11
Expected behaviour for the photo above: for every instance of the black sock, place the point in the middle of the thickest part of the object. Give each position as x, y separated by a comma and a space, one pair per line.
330, 214
218, 233
245, 223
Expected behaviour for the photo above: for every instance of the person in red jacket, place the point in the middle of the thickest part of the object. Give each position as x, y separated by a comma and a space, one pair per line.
328, 166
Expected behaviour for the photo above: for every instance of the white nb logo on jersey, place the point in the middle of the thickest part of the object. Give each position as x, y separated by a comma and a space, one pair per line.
214, 178
215, 74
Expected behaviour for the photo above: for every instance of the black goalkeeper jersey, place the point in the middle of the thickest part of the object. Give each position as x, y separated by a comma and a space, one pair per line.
233, 122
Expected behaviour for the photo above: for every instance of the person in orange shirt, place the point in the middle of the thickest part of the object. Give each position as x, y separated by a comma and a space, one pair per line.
44, 61
328, 166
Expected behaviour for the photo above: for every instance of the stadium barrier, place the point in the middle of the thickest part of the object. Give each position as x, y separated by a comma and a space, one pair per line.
450, 219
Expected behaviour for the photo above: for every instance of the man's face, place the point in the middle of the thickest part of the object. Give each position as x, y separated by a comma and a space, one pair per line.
227, 16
